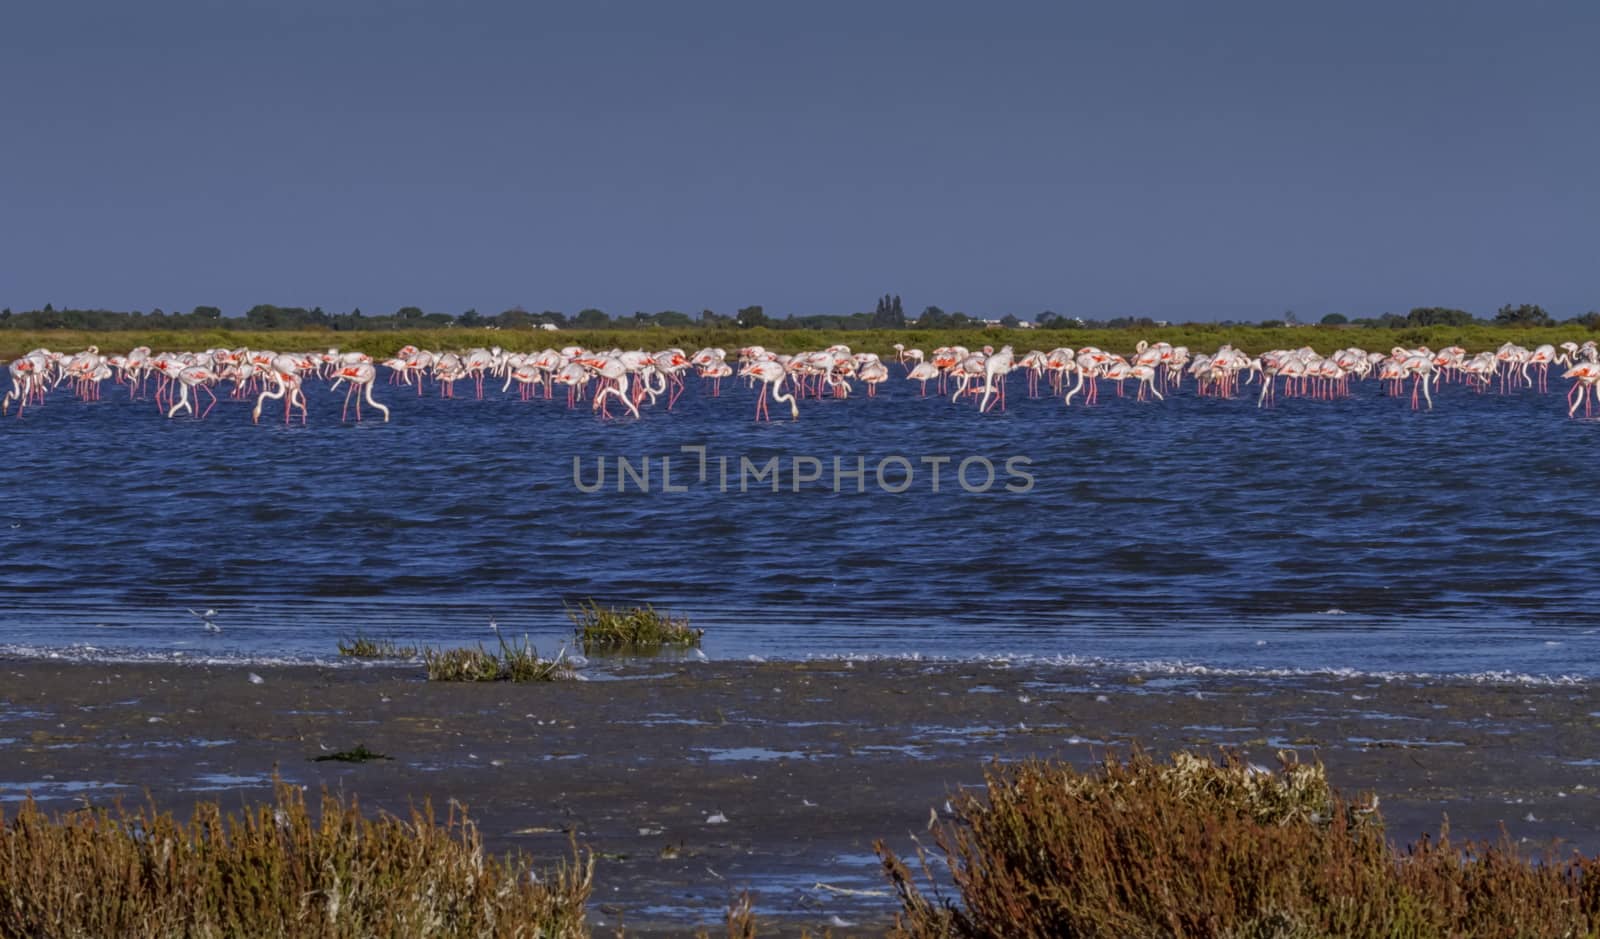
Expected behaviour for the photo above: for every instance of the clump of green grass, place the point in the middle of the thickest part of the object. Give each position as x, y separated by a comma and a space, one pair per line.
364, 647
1199, 848
639, 627
359, 755
514, 662
278, 869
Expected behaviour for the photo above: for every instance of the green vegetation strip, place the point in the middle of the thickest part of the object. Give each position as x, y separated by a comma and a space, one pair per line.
1199, 337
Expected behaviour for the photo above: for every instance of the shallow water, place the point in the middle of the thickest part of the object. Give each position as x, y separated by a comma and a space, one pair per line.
1318, 535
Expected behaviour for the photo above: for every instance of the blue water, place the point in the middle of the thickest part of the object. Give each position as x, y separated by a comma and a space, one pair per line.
1194, 532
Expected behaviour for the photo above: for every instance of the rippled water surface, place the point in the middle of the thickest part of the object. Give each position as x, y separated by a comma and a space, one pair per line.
1352, 534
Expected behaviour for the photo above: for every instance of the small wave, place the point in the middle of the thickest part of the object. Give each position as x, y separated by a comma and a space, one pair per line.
75, 654
1177, 667
83, 654
1165, 667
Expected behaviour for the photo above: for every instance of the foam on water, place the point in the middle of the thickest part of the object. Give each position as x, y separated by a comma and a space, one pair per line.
1115, 667
1195, 669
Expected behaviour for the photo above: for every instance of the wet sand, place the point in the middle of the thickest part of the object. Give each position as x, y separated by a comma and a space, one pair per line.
807, 762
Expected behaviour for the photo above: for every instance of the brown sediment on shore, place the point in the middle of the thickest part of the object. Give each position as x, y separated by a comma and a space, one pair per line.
807, 762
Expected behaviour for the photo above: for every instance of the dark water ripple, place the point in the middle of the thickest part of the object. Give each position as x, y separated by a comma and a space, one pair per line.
1352, 534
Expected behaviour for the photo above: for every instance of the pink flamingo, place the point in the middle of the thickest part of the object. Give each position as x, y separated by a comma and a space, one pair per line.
716, 372
285, 379
200, 379
874, 374
613, 383
995, 369
24, 376
360, 377
1585, 375
1146, 376
771, 376
923, 372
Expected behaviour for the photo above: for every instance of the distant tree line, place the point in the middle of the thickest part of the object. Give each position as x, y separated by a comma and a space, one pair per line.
1523, 314
888, 314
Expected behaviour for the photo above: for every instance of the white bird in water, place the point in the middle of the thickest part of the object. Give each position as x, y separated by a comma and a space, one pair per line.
206, 619
494, 627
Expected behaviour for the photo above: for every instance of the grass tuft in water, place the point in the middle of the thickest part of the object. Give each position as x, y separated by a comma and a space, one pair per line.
1201, 848
359, 755
363, 647
640, 627
741, 923
278, 869
514, 662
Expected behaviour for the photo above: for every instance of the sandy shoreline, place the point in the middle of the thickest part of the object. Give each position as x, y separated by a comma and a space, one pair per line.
808, 762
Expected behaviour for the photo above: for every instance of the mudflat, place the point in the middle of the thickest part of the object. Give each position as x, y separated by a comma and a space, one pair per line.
694, 780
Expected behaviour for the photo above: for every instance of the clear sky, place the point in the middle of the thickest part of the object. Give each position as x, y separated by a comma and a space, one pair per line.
1184, 160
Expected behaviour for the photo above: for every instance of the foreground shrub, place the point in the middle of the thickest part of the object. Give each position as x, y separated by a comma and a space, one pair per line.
1195, 848
514, 662
636, 628
274, 871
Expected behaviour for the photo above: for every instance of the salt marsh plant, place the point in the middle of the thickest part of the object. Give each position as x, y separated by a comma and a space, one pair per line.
514, 662
635, 628
275, 870
1199, 848
365, 647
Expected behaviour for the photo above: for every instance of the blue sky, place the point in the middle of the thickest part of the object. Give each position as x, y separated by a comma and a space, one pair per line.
1179, 160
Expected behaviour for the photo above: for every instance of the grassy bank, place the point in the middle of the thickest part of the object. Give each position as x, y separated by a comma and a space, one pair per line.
1199, 338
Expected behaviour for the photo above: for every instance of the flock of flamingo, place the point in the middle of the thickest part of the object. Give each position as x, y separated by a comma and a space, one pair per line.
178, 382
